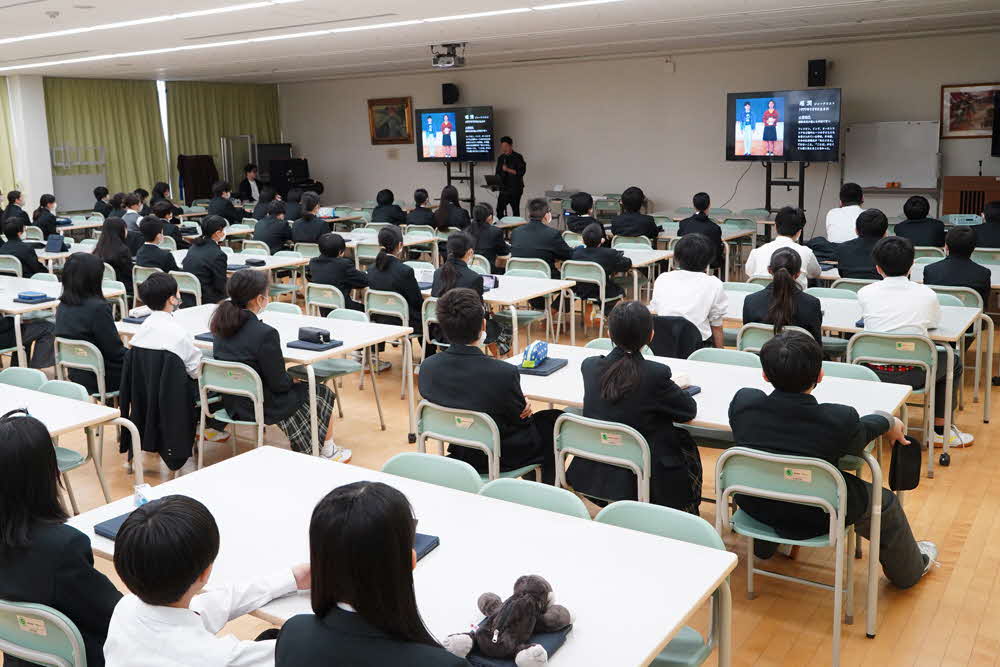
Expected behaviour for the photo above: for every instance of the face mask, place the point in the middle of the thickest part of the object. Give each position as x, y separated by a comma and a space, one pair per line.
482, 338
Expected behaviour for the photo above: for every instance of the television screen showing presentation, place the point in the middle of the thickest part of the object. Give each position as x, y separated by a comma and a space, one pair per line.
464, 134
784, 126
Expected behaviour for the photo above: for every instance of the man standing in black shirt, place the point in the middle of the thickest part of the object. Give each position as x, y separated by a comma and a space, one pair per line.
510, 171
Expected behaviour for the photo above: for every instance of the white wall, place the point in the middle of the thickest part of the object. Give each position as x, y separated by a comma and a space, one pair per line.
604, 125
32, 160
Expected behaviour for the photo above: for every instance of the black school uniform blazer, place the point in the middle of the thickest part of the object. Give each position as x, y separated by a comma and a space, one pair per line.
699, 223
458, 218
173, 230
341, 273
421, 215
24, 252
462, 377
959, 272
15, 211
389, 213
57, 569
536, 239
635, 224
346, 639
854, 258
309, 228
46, 221
987, 235
275, 232
177, 210
155, 256
122, 264
611, 260
225, 208
798, 425
92, 321
293, 211
102, 207
923, 232
208, 264
244, 192
808, 311
260, 210
466, 278
491, 244
397, 277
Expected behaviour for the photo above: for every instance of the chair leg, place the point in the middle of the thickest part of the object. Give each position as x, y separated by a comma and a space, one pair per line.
750, 565
366, 358
201, 437
402, 379
69, 492
851, 539
336, 399
838, 599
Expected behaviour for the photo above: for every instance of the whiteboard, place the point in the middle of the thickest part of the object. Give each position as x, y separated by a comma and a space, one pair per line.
903, 151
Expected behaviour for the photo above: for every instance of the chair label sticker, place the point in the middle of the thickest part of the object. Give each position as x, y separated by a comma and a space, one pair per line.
904, 346
799, 475
464, 422
35, 626
611, 439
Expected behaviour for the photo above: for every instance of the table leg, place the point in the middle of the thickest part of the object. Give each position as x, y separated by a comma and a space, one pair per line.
874, 540
725, 262
96, 452
635, 284
408, 362
22, 354
725, 625
366, 359
435, 254
513, 326
949, 391
313, 418
989, 367
136, 448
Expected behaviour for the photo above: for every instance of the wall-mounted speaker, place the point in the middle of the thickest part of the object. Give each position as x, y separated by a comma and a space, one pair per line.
817, 72
449, 93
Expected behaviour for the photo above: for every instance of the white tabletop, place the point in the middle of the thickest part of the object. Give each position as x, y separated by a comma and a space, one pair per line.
10, 287
270, 261
79, 225
718, 382
518, 289
59, 414
262, 501
642, 258
49, 257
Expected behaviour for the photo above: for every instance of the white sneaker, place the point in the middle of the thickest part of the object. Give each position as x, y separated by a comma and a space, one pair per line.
930, 550
958, 438
216, 436
334, 453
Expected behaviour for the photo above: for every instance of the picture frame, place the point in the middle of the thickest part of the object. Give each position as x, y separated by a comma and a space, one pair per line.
390, 120
967, 110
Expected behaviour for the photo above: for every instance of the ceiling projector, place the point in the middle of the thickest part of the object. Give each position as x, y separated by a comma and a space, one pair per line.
445, 56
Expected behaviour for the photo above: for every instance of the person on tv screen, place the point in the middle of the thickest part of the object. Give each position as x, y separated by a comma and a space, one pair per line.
430, 136
770, 127
746, 128
446, 143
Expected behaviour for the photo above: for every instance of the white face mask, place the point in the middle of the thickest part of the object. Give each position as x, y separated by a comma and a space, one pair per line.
482, 338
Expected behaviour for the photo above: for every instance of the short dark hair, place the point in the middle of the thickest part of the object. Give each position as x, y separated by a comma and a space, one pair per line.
385, 197
267, 194
162, 208
100, 192
537, 208
592, 235
894, 255
13, 196
157, 289
164, 546
633, 199
143, 193
991, 212
693, 252
961, 241
916, 207
220, 187
310, 200
249, 167
331, 245
420, 196
276, 208
581, 202
789, 221
506, 140
871, 223
701, 201
132, 199
294, 195
792, 361
210, 224
83, 275
12, 228
150, 228
851, 193
747, 103
460, 314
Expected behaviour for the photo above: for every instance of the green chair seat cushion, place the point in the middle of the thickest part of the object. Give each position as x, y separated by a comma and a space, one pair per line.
687, 647
68, 459
522, 315
223, 416
516, 473
327, 368
744, 524
834, 344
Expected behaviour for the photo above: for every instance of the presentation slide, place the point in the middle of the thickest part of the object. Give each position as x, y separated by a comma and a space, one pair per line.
784, 125
455, 133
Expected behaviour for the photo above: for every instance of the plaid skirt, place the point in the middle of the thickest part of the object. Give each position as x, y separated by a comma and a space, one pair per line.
296, 427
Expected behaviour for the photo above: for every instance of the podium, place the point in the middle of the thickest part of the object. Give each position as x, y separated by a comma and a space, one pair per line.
968, 194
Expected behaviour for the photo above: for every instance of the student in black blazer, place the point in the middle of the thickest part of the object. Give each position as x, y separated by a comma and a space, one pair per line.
537, 239
163, 212
84, 314
101, 204
332, 268
14, 203
13, 230
274, 229
420, 215
112, 249
248, 189
700, 223
988, 233
854, 257
117, 204
389, 274
144, 208
582, 204
222, 206
611, 260
449, 213
789, 421
44, 217
456, 273
489, 240
308, 228
42, 560
958, 269
625, 388
241, 336
161, 192
632, 222
150, 254
921, 230
361, 548
293, 209
386, 211
267, 195
206, 261
783, 303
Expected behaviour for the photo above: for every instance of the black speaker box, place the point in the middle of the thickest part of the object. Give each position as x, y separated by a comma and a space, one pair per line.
449, 93
817, 72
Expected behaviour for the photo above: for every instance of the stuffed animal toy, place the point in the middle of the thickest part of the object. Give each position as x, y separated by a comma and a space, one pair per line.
507, 629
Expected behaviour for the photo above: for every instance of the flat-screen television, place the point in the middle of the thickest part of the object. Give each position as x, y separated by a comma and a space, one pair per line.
464, 134
783, 126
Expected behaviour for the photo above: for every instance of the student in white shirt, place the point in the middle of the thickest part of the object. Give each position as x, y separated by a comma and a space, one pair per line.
788, 225
840, 222
164, 552
691, 293
898, 305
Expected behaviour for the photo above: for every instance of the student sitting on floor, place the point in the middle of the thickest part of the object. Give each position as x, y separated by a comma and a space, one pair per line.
789, 421
462, 377
101, 204
689, 292
164, 552
898, 305
273, 229
489, 239
958, 269
918, 228
782, 302
112, 248
332, 268
421, 214
988, 233
788, 225
632, 222
241, 336
13, 231
700, 223
308, 228
222, 204
611, 260
625, 388
386, 210
841, 222
582, 204
854, 257
164, 211
206, 261
361, 545
151, 254
42, 560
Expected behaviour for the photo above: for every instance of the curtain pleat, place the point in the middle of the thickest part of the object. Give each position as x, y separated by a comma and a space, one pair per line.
8, 180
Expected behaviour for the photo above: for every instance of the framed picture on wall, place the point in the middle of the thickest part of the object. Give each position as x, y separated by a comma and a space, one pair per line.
390, 120
967, 110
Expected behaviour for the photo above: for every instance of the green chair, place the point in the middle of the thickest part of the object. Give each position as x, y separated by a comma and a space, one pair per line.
118, 302
84, 356
963, 219
839, 369
719, 212
926, 260
722, 356
48, 313
277, 289
587, 273
249, 244
762, 281
283, 307
852, 284
109, 272
249, 222
687, 648
631, 243
95, 216
536, 494
428, 316
832, 293
969, 298
510, 219
88, 243
41, 635
366, 252
33, 233
986, 255
378, 225
438, 470
530, 263
392, 304
608, 344
480, 265
928, 251
756, 213
753, 335
232, 379
606, 442
684, 210
188, 283
309, 250
199, 203
319, 295
524, 267
25, 378
168, 243
729, 333
572, 239
466, 428
605, 209
256, 252
419, 265
139, 275
11, 266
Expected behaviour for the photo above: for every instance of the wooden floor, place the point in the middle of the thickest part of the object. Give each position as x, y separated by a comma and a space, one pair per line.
952, 617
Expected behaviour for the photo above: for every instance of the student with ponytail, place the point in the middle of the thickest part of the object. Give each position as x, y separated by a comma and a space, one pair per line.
489, 241
241, 336
624, 387
783, 303
389, 274
206, 260
117, 203
44, 216
450, 213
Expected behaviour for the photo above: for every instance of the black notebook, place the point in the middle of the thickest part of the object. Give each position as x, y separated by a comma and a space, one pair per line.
207, 337
316, 347
547, 367
135, 320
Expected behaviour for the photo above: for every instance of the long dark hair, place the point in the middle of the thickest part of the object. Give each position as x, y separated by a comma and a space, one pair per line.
631, 327
82, 278
243, 287
480, 221
160, 191
29, 480
785, 265
361, 548
117, 201
112, 244
459, 243
43, 206
449, 198
389, 238
209, 226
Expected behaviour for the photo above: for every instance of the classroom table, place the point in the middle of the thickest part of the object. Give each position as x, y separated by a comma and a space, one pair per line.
194, 214
729, 235
351, 240
79, 226
50, 258
355, 335
644, 258
271, 262
506, 227
629, 591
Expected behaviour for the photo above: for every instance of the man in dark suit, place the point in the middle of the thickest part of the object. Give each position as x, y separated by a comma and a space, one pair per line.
921, 230
463, 377
13, 229
510, 170
958, 269
611, 260
420, 215
537, 239
150, 254
220, 204
332, 268
700, 223
632, 222
988, 233
14, 203
248, 190
273, 230
386, 210
790, 421
101, 204
854, 257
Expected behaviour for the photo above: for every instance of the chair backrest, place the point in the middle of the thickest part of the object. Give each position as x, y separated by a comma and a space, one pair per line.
928, 251
533, 263
347, 314
25, 378
47, 277
742, 287
188, 283
572, 239
234, 379
250, 222
913, 349
254, 251
719, 212
11, 266
33, 233
684, 210
986, 255
585, 272
226, 249
420, 230
949, 300
926, 260
66, 389
536, 494
756, 213
289, 253
366, 251
95, 217
460, 427
753, 335
606, 206
40, 634
433, 469
81, 355
740, 223
199, 203
832, 293
168, 243
480, 264
418, 265
852, 284
307, 249
88, 243
319, 295
606, 442
837, 369
109, 272
378, 225
608, 344
428, 316
283, 307
140, 273
966, 296
662, 521
763, 281
379, 302
963, 219
507, 219
250, 244
635, 242
717, 355
528, 273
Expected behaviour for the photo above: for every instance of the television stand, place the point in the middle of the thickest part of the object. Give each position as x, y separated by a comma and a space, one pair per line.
462, 178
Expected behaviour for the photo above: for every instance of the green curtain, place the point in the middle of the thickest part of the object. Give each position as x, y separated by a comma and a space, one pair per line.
122, 116
199, 114
7, 179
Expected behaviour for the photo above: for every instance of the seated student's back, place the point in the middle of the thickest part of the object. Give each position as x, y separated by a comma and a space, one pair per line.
389, 274
332, 268
700, 223
536, 239
632, 222
611, 260
386, 210
782, 302
488, 238
582, 204
273, 229
854, 258
958, 269
309, 227
988, 233
918, 228
421, 214
691, 293
206, 260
